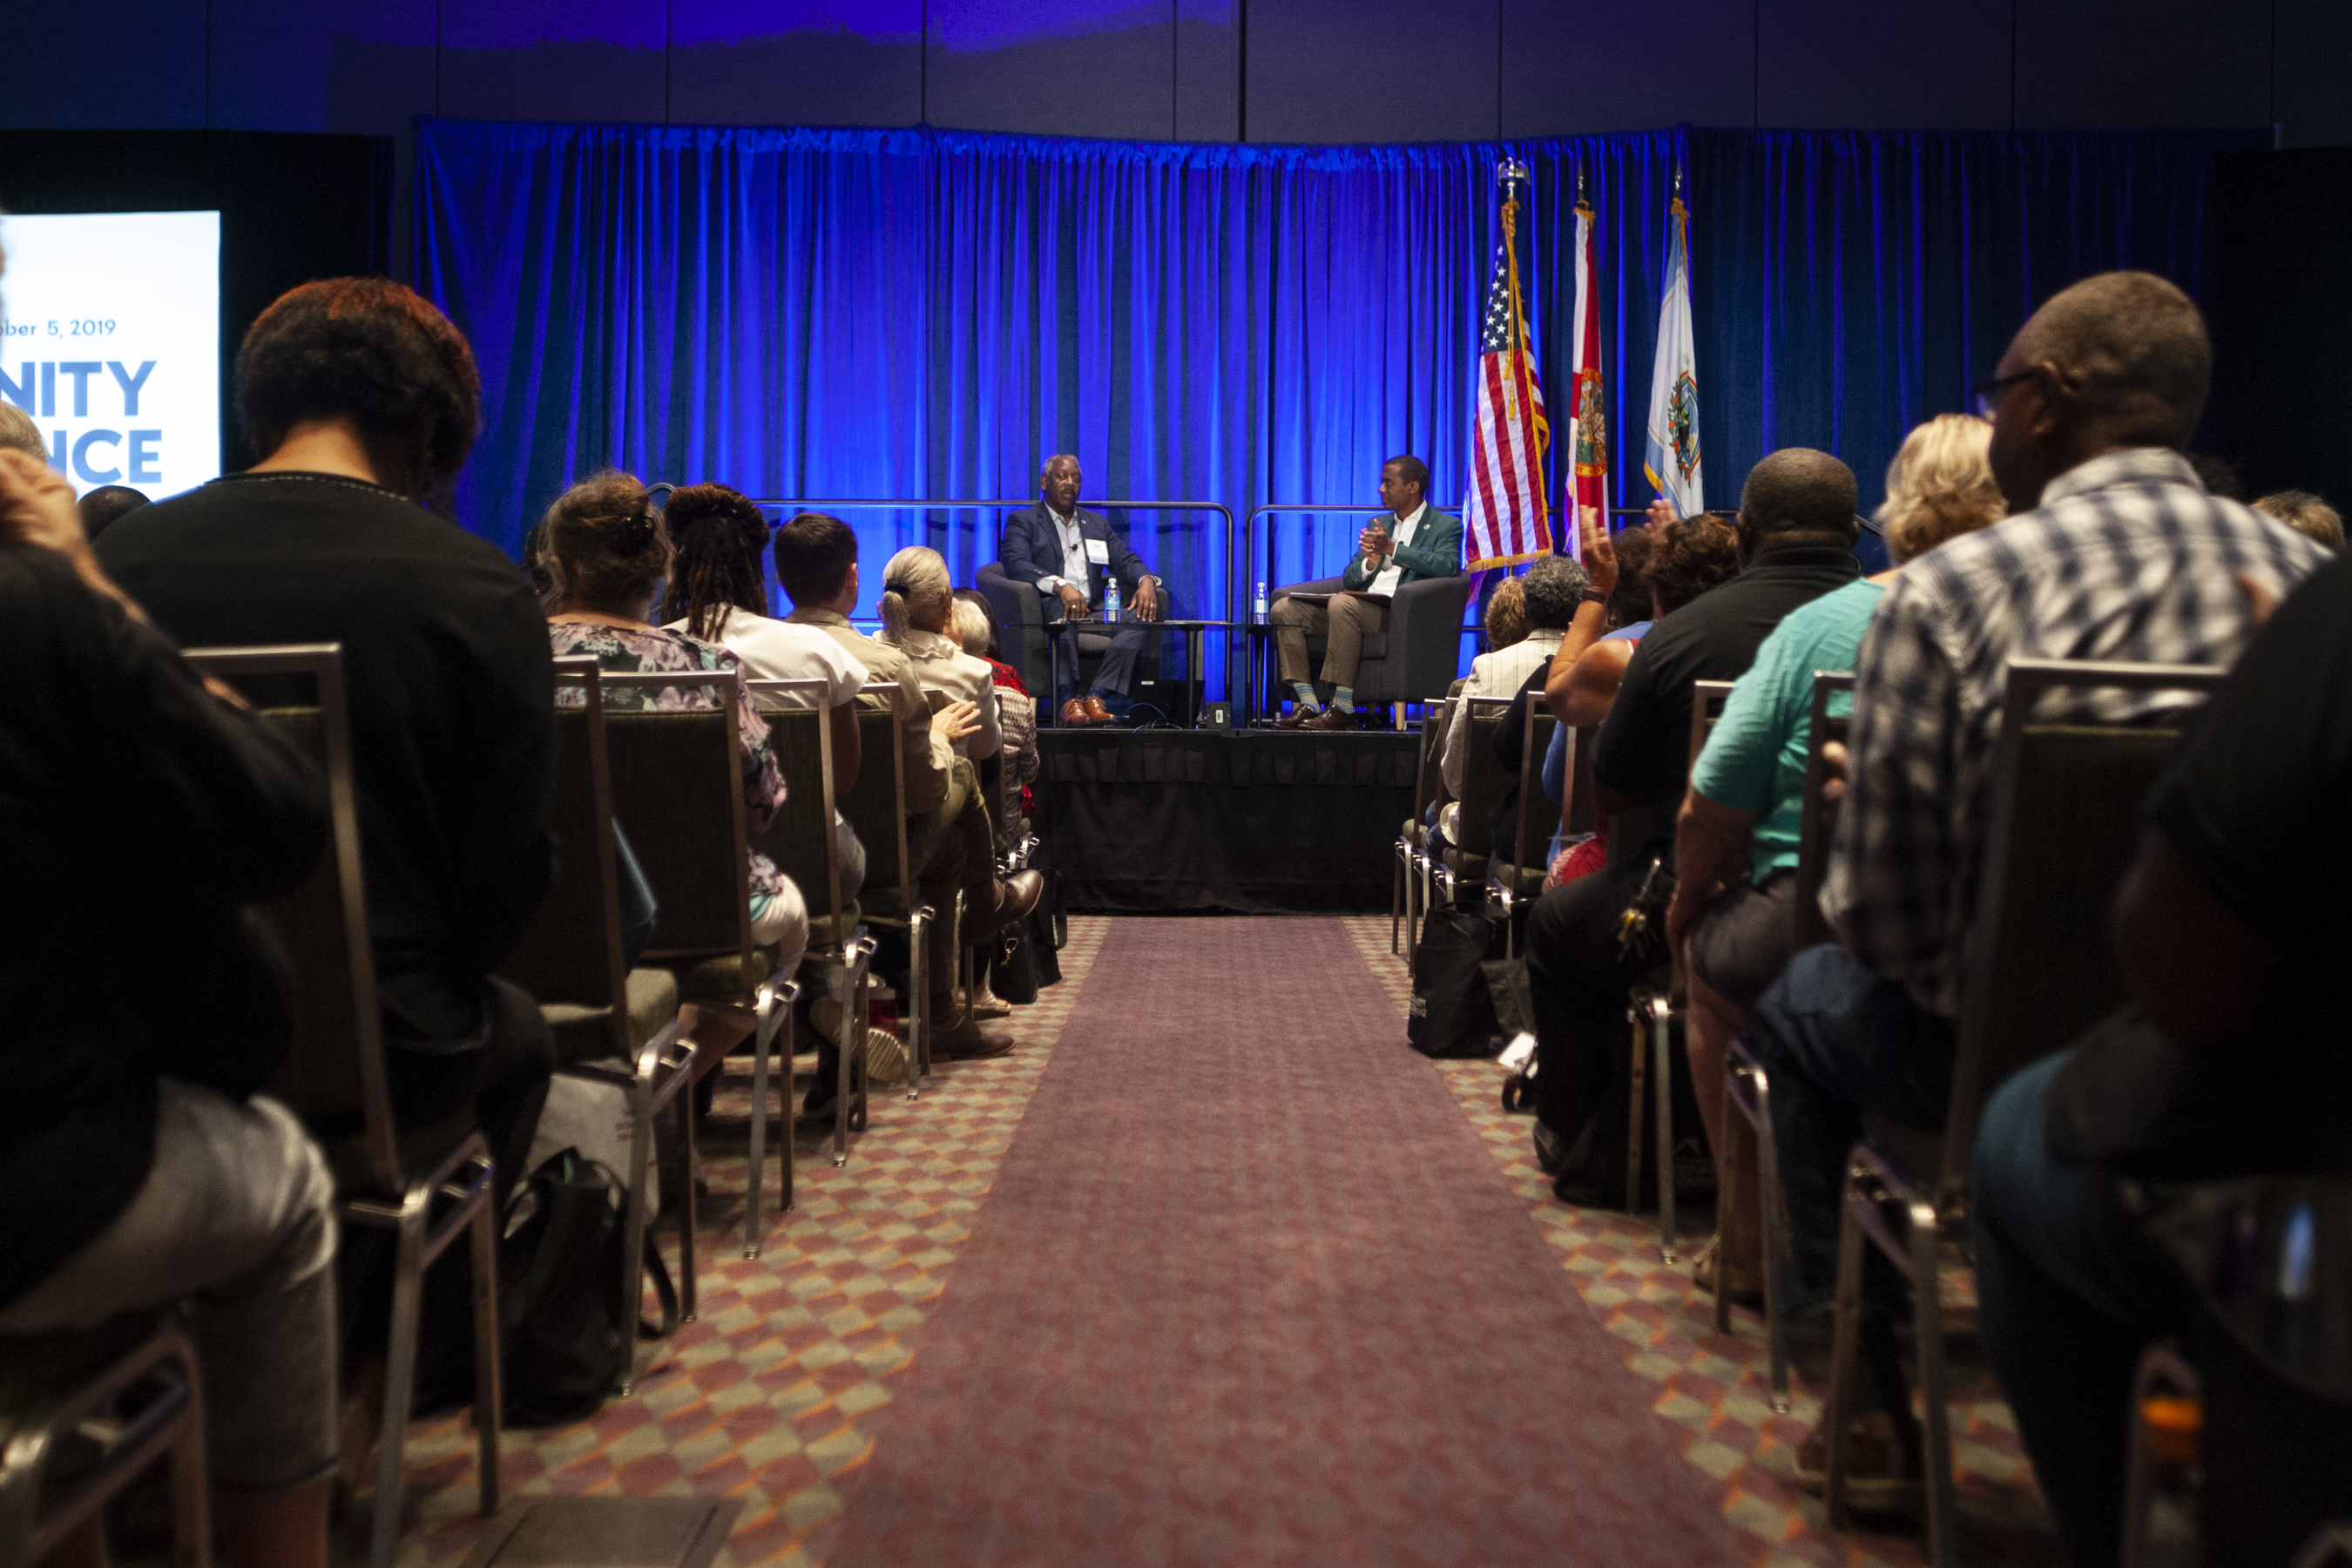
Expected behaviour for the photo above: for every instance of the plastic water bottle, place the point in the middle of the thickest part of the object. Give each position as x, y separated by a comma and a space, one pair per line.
1258, 604
1111, 598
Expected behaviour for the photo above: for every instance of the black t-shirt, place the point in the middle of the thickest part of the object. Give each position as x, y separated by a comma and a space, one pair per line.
2254, 803
1644, 746
451, 688
136, 812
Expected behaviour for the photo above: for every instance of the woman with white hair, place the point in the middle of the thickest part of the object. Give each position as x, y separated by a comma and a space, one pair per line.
918, 609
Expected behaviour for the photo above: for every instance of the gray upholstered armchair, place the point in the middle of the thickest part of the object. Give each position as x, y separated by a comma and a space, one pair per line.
1022, 613
1416, 657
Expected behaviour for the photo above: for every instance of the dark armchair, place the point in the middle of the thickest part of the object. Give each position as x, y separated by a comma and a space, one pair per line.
1022, 613
1419, 654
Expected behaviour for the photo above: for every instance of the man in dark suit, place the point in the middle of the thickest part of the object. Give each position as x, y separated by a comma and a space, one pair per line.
1413, 540
1067, 553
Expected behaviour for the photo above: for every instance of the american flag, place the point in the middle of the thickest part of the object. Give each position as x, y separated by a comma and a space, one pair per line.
1506, 519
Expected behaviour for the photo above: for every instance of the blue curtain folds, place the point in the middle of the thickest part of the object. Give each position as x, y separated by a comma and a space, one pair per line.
924, 313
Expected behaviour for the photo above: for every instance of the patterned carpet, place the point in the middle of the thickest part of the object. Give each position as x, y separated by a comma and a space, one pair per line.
775, 1396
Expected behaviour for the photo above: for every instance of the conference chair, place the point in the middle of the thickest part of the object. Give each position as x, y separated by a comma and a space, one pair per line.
677, 789
427, 1185
801, 841
1483, 780
1652, 1012
1412, 838
610, 1024
1414, 658
876, 808
2041, 970
1511, 881
64, 1394
2166, 1418
1748, 1088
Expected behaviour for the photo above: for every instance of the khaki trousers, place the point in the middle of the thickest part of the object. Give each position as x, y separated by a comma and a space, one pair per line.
953, 847
1343, 624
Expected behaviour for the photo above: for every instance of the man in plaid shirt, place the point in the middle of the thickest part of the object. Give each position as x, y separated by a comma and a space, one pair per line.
2113, 551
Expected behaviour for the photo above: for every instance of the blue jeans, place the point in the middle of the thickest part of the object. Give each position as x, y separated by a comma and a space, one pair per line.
1837, 1040
2064, 1352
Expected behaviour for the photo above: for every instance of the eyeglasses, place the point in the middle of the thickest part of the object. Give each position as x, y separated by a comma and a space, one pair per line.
1988, 395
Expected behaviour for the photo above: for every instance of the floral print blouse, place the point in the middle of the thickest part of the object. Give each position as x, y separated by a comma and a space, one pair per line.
627, 651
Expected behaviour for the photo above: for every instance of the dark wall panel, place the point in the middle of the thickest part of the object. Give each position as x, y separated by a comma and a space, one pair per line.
2312, 92
129, 63
555, 59
2142, 64
1208, 71
1055, 67
1371, 71
1864, 65
1572, 68
361, 66
802, 62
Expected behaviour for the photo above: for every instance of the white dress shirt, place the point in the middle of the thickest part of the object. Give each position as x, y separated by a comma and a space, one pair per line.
1400, 530
1076, 570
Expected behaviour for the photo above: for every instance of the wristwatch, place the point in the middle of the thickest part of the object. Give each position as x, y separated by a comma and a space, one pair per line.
1593, 596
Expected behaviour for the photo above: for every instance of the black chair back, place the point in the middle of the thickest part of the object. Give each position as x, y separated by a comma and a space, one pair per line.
678, 791
1483, 777
2065, 825
1535, 740
799, 838
875, 806
571, 951
335, 1071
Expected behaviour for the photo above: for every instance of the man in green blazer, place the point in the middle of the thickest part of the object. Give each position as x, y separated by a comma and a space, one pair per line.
1413, 540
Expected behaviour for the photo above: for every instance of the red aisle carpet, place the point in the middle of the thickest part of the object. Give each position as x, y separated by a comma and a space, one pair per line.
1246, 1290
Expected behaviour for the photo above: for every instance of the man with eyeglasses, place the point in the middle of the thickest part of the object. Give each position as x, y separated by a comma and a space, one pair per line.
2113, 551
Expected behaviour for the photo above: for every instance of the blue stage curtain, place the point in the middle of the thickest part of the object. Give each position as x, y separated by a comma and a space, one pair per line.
928, 314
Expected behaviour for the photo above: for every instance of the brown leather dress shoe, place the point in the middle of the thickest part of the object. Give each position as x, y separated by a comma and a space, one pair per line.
1073, 715
1015, 897
1097, 712
959, 1039
1332, 721
1297, 718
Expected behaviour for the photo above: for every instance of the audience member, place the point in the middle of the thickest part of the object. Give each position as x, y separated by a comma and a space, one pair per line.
365, 401
609, 551
918, 610
2233, 939
102, 507
1506, 616
2306, 514
136, 1170
1550, 594
19, 434
719, 593
2218, 475
1795, 532
1016, 717
1736, 841
2114, 550
949, 839
1702, 552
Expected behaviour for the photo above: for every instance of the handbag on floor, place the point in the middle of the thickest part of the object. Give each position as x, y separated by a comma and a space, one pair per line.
1453, 1010
565, 1338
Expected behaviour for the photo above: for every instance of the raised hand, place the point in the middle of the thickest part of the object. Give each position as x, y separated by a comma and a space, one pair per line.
1598, 550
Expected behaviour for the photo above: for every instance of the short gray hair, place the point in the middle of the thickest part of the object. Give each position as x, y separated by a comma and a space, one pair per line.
2135, 347
1554, 586
18, 431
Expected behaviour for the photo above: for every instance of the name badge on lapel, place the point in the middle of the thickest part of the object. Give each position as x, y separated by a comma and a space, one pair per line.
1097, 553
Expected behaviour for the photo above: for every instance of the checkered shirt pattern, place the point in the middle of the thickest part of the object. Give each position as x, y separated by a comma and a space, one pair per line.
2127, 558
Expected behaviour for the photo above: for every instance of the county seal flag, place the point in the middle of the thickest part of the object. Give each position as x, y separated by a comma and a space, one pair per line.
1671, 458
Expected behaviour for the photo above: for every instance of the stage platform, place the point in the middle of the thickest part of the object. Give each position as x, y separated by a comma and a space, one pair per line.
1259, 822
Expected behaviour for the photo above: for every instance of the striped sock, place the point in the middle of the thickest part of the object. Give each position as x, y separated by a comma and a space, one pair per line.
1306, 693
1343, 698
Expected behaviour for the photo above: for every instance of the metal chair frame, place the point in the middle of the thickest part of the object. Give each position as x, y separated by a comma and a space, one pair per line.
400, 1202
172, 1423
1445, 870
1746, 1088
641, 1075
768, 1001
1650, 1013
1904, 1218
914, 1011
1501, 886
1410, 855
852, 954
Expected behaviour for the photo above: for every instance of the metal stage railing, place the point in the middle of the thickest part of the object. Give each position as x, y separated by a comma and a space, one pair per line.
882, 503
